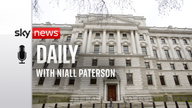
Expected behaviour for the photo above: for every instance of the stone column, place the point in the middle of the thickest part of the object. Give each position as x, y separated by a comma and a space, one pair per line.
160, 48
105, 96
104, 41
171, 47
118, 95
118, 42
84, 41
137, 43
149, 45
185, 53
73, 37
89, 41
133, 43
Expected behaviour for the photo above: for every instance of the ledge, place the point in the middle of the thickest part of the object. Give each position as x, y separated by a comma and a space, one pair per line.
79, 38
164, 43
55, 41
124, 38
111, 38
97, 38
141, 39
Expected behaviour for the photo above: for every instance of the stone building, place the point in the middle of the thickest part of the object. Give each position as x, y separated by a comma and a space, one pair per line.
149, 61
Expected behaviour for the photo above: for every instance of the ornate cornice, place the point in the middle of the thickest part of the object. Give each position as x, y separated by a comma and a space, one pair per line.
97, 42
111, 42
177, 48
165, 48
125, 43
143, 43
78, 42
188, 48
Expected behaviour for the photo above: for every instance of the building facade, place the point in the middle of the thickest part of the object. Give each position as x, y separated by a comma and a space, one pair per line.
149, 61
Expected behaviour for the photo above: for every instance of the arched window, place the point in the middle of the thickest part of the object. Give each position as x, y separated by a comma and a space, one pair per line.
179, 53
69, 38
155, 53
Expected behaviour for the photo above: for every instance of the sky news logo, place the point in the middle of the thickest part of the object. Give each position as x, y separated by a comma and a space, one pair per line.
46, 33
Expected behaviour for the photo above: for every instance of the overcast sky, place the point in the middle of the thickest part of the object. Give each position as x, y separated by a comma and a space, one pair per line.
146, 8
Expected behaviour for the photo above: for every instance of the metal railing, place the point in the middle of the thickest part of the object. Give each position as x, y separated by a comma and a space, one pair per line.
118, 105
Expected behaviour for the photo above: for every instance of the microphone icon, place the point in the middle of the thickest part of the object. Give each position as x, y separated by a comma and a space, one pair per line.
22, 54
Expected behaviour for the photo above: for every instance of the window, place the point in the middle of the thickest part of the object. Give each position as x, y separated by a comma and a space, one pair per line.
144, 52
166, 53
111, 49
111, 62
174, 41
68, 38
176, 79
151, 39
36, 54
190, 53
97, 35
185, 41
55, 39
78, 49
60, 66
162, 40
149, 80
93, 79
125, 49
57, 80
141, 37
80, 35
96, 48
178, 54
110, 35
155, 53
67, 50
189, 79
94, 62
172, 66
42, 39
129, 78
185, 66
41, 50
41, 80
159, 66
147, 65
128, 62
45, 65
71, 80
162, 80
33, 63
74, 64
124, 36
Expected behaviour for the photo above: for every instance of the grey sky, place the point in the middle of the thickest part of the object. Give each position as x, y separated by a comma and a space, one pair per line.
146, 8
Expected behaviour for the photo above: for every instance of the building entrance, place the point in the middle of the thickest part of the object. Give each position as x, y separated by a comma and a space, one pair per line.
112, 92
